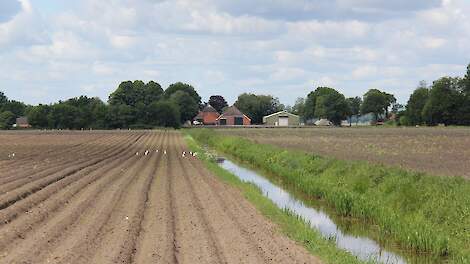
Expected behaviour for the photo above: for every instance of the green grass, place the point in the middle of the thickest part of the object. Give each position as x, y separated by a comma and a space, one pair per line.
290, 224
425, 214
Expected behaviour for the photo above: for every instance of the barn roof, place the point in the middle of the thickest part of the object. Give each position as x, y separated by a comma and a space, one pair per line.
22, 121
232, 111
209, 108
284, 112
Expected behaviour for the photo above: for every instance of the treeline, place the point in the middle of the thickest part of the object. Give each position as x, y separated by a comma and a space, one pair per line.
446, 101
132, 105
9, 111
146, 105
328, 103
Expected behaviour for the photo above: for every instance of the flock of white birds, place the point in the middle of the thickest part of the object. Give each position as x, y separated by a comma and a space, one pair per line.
147, 152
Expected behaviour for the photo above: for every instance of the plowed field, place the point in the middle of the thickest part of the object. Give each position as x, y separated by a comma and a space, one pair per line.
438, 151
125, 197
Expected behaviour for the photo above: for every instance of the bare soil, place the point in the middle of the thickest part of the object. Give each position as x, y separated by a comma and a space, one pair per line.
438, 151
87, 197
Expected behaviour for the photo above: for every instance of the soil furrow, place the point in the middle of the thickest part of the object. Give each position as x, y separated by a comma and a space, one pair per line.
80, 156
26, 190
8, 214
74, 209
99, 202
30, 160
192, 224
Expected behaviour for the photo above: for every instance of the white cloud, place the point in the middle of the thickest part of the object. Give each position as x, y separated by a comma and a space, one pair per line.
287, 74
366, 71
231, 47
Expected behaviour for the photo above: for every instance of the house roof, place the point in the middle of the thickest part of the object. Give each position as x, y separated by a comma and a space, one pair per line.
284, 112
22, 121
232, 111
209, 108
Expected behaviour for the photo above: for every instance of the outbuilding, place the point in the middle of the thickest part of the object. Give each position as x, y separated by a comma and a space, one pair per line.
282, 118
22, 122
207, 116
232, 116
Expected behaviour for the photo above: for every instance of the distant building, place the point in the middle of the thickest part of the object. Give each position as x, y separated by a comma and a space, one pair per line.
233, 117
208, 116
323, 122
22, 122
282, 118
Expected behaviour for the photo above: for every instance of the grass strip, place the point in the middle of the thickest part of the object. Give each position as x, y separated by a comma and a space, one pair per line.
291, 225
424, 214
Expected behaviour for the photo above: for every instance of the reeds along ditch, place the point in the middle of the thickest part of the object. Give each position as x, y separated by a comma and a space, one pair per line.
423, 213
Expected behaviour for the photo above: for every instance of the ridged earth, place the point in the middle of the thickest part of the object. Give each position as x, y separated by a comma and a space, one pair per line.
87, 197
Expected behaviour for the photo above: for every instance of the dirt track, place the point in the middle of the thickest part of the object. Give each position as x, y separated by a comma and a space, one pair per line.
88, 198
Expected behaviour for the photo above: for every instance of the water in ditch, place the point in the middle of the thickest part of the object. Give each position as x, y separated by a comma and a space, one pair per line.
361, 245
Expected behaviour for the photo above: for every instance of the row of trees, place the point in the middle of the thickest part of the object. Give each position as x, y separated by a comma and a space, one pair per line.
145, 105
132, 105
446, 101
328, 103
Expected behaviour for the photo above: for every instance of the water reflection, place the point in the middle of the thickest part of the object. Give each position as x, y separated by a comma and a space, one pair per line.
362, 247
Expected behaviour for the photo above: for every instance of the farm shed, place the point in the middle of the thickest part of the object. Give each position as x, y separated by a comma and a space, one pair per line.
22, 122
208, 116
282, 118
233, 117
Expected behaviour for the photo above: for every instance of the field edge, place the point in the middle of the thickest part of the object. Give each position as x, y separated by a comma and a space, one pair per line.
290, 225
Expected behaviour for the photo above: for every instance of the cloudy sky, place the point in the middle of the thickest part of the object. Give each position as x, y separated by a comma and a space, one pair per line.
55, 49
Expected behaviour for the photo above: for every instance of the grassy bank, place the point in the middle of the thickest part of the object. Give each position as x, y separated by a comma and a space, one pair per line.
290, 224
425, 214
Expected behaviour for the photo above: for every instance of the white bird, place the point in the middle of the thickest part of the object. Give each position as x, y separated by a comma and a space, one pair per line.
146, 152
137, 153
13, 155
164, 152
156, 151
183, 154
195, 154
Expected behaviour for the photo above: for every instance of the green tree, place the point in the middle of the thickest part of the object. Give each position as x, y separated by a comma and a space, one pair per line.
464, 109
466, 82
179, 86
7, 119
377, 102
3, 99
258, 106
299, 107
188, 107
415, 105
63, 116
165, 114
38, 116
444, 102
125, 94
354, 107
17, 108
152, 92
311, 101
332, 105
218, 102
120, 116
